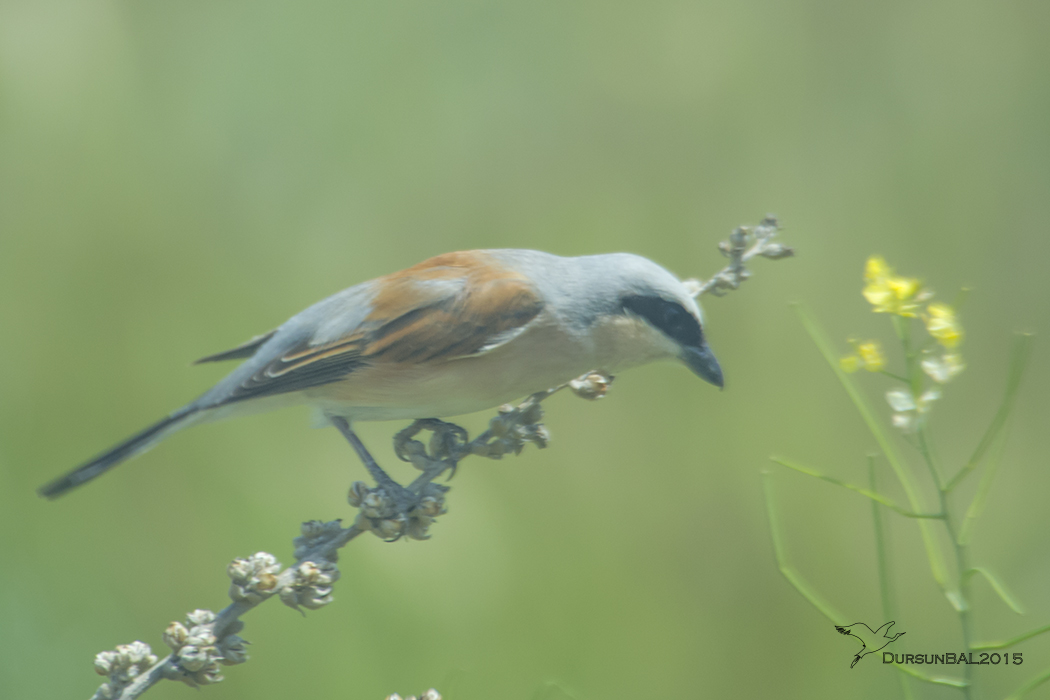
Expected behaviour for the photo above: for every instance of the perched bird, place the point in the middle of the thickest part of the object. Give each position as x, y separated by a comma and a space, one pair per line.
457, 333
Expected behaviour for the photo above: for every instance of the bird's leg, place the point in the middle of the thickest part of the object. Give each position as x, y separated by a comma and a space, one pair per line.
404, 500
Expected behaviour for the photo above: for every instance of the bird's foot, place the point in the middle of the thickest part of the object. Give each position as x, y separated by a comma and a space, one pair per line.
387, 507
447, 445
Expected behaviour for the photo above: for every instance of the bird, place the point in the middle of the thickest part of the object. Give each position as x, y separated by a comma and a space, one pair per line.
457, 333
870, 640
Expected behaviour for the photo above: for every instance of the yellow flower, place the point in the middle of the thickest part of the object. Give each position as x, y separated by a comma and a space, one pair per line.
850, 364
868, 355
942, 324
871, 355
888, 293
876, 269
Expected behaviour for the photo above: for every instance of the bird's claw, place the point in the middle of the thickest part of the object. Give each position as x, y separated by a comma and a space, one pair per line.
447, 445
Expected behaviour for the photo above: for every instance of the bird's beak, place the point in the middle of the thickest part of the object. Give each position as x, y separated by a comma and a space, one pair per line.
703, 363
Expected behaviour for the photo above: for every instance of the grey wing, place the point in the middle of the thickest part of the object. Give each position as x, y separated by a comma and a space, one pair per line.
315, 347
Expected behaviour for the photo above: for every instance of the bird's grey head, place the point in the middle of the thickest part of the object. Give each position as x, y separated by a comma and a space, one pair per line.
634, 287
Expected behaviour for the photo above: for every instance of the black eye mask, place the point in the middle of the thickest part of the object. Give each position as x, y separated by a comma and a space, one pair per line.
669, 317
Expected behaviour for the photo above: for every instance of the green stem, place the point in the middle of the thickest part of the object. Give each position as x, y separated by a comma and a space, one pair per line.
984, 487
895, 376
997, 586
789, 572
936, 680
1030, 685
883, 562
876, 497
962, 602
1018, 363
927, 457
913, 372
1010, 642
880, 547
965, 613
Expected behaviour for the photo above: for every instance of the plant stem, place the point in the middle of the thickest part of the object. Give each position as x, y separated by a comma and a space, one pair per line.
960, 598
903, 328
965, 612
780, 552
883, 562
962, 602
880, 547
1018, 363
898, 377
856, 489
1010, 642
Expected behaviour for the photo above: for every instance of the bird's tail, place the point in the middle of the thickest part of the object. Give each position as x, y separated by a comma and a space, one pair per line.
134, 445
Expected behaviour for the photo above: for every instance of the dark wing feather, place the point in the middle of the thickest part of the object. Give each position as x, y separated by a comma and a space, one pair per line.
301, 368
240, 352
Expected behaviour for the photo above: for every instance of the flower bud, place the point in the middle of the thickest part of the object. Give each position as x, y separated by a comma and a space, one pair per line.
135, 653
289, 596
233, 650
375, 504
389, 529
591, 386
312, 528
776, 251
265, 562
200, 617
239, 570
358, 491
430, 506
210, 673
175, 635
267, 582
317, 597
104, 662
192, 658
200, 636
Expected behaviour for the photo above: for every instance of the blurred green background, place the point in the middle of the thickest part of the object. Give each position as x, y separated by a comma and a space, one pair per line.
176, 177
